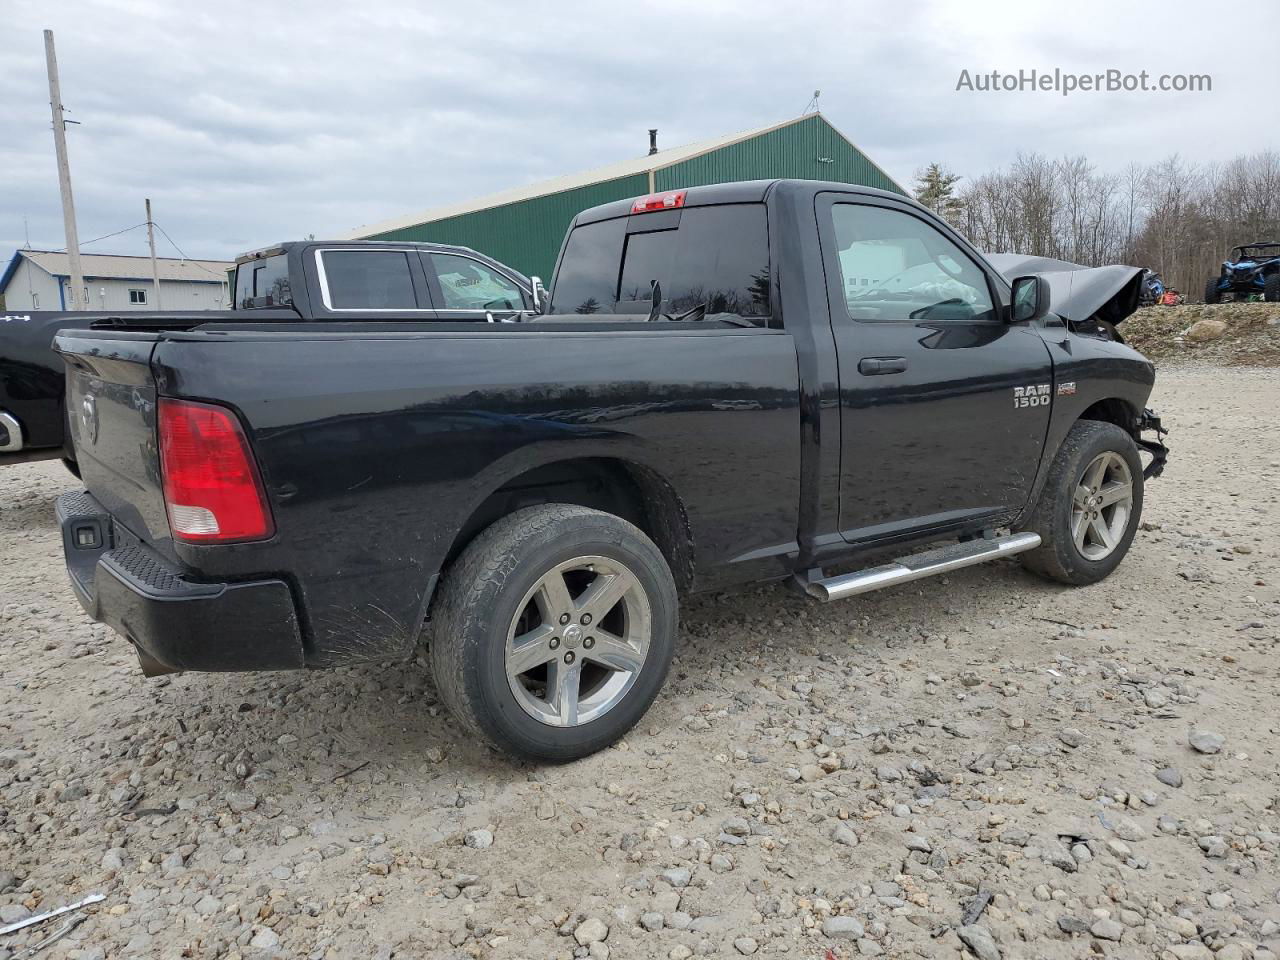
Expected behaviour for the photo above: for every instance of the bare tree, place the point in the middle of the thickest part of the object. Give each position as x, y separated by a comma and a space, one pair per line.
1172, 216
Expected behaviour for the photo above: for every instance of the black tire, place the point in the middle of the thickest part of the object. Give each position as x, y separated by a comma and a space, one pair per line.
1058, 557
479, 600
1271, 288
1211, 294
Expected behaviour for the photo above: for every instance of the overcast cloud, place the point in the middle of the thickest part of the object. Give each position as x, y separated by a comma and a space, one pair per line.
252, 122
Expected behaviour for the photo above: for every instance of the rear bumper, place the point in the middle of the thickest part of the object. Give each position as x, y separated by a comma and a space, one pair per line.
174, 622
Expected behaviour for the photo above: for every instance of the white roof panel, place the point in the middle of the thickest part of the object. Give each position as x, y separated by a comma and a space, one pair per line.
100, 266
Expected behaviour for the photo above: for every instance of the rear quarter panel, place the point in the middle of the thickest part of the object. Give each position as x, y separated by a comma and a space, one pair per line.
375, 450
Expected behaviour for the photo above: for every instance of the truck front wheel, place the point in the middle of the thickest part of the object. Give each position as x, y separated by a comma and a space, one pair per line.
553, 631
1090, 506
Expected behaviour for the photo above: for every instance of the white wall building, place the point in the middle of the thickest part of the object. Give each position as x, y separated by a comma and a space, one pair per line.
40, 280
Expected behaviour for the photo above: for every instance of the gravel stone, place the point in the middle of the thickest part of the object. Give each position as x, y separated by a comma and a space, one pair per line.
978, 939
265, 939
842, 928
1072, 737
13, 912
678, 877
843, 835
1205, 741
592, 930
1107, 929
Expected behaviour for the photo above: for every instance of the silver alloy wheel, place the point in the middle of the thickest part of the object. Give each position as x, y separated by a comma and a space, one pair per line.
578, 641
1101, 506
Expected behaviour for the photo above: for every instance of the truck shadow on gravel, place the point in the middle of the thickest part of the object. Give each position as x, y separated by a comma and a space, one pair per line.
388, 720
29, 513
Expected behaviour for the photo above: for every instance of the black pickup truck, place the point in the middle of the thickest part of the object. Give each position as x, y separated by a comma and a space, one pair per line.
290, 282
731, 384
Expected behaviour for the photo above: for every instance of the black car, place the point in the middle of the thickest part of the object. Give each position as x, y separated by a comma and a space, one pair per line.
732, 384
296, 282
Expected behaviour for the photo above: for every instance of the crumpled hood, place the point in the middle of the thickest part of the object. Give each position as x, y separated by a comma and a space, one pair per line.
1078, 293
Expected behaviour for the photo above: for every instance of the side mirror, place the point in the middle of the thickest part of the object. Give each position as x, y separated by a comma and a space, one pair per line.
541, 302
1030, 299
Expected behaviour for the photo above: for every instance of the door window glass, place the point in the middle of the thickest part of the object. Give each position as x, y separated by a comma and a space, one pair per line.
470, 285
894, 266
368, 280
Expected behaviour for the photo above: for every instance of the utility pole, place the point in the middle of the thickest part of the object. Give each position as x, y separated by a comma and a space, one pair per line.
64, 176
151, 242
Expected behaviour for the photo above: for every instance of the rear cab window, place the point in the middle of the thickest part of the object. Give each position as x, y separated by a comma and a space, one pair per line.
715, 257
263, 283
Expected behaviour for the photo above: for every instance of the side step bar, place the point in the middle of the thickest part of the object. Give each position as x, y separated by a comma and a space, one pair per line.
943, 559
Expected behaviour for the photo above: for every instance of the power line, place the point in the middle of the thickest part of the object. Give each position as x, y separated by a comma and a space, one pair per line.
116, 234
194, 263
96, 239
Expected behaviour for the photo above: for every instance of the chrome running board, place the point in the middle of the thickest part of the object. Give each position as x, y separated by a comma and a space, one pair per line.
953, 556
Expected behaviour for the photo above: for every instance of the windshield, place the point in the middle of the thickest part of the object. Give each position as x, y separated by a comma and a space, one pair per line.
1261, 252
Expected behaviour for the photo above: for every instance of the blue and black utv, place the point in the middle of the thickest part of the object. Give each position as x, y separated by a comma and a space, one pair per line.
1252, 268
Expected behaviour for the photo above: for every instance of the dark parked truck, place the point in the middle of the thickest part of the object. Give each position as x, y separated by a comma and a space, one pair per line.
290, 282
731, 384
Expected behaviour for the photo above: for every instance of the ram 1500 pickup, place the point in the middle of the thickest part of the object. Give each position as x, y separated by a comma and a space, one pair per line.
731, 384
291, 282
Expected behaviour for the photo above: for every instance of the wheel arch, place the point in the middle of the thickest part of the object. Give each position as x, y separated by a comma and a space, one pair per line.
625, 488
1105, 405
1113, 410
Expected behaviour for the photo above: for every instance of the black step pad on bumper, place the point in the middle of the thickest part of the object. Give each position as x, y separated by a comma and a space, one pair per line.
175, 622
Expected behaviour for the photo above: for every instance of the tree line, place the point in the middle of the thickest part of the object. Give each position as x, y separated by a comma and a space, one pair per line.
1178, 218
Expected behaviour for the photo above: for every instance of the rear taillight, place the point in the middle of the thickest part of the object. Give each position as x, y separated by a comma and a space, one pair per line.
671, 200
212, 490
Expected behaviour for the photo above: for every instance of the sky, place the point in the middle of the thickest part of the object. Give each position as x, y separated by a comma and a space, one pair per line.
248, 123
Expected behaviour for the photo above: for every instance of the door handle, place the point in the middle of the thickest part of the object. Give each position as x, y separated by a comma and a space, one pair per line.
879, 366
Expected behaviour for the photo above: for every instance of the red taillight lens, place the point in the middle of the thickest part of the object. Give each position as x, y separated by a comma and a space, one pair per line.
212, 490
671, 200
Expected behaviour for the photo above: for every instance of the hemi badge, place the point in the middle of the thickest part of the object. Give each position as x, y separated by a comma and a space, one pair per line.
1067, 389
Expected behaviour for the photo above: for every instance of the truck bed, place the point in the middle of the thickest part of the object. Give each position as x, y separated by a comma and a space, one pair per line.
375, 447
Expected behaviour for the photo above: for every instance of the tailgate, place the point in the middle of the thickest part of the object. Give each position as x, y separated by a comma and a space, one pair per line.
111, 412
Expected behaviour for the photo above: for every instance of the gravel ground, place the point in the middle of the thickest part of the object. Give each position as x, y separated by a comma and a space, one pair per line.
1251, 334
814, 782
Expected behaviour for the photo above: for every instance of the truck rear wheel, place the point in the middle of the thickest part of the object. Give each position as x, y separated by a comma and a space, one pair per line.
553, 631
1090, 506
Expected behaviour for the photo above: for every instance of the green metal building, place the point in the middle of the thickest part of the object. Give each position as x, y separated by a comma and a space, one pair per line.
524, 227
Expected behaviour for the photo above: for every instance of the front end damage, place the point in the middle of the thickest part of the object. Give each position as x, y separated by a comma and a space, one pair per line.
1149, 422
